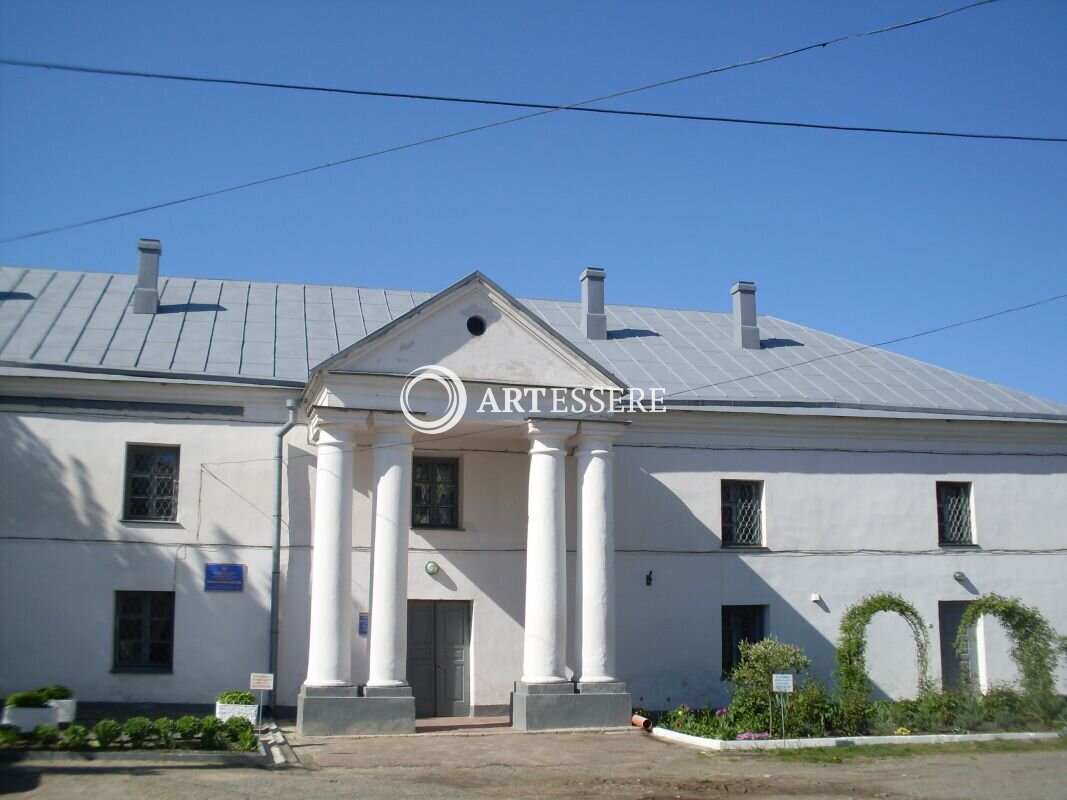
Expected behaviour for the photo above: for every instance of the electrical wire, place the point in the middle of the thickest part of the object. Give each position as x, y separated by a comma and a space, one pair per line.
496, 124
167, 76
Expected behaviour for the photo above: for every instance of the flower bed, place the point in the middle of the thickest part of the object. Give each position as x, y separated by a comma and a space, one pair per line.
138, 733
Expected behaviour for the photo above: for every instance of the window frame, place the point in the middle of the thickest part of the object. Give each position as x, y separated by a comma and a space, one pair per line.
942, 523
729, 661
132, 449
146, 617
433, 525
724, 483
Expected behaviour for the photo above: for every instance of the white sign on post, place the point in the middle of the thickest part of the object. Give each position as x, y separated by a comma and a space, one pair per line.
782, 682
263, 681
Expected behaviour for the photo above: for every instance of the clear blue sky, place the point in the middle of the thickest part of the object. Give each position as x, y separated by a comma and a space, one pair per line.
866, 236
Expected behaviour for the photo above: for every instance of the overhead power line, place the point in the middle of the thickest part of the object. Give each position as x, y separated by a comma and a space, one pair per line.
822, 126
496, 124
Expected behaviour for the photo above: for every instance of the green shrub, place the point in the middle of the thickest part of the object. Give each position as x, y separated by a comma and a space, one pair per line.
75, 736
237, 697
56, 692
107, 732
137, 730
188, 727
1049, 709
34, 699
1002, 705
882, 718
753, 692
165, 729
248, 741
236, 726
968, 714
933, 712
212, 734
46, 735
8, 737
811, 711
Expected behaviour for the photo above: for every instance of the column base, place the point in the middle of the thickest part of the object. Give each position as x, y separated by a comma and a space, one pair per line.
539, 706
344, 711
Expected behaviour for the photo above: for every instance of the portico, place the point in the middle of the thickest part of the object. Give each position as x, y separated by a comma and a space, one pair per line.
353, 403
547, 694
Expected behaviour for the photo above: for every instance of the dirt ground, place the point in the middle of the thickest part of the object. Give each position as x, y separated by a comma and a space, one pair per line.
557, 765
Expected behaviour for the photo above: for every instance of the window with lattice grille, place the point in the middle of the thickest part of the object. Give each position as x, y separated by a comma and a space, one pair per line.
435, 493
144, 632
954, 513
151, 483
742, 513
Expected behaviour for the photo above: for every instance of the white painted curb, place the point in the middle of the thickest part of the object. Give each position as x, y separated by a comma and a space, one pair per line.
703, 743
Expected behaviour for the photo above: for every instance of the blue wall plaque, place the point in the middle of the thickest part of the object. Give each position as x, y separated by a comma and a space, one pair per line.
364, 619
224, 577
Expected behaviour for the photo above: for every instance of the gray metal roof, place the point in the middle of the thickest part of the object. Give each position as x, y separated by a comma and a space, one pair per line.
272, 332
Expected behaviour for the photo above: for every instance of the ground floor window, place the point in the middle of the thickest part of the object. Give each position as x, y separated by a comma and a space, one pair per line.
740, 624
144, 632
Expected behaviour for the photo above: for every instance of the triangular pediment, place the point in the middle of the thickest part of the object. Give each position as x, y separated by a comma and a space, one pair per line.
516, 347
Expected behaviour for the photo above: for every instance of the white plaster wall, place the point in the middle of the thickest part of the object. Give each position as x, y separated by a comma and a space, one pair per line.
62, 480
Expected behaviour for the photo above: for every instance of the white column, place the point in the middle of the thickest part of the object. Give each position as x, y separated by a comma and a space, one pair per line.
392, 524
545, 640
330, 652
596, 545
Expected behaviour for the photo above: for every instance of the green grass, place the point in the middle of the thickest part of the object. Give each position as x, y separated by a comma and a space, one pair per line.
835, 755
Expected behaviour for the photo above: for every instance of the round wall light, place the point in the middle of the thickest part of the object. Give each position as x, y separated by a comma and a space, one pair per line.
432, 567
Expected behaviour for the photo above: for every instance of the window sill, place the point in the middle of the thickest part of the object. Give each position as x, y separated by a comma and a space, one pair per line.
958, 546
151, 523
746, 548
142, 670
435, 529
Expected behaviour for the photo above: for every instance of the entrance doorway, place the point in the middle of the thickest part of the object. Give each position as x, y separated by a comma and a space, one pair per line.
439, 657
950, 613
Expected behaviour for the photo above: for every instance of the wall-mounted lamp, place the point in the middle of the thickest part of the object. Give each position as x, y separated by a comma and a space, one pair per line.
815, 597
432, 568
959, 576
648, 578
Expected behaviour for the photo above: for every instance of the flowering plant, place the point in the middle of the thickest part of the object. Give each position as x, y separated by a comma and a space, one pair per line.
751, 737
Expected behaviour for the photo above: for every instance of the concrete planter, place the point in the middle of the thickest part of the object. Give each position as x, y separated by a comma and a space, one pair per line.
26, 719
66, 710
226, 710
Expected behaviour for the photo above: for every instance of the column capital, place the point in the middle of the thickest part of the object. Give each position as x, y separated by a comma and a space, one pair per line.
390, 429
329, 425
549, 434
597, 437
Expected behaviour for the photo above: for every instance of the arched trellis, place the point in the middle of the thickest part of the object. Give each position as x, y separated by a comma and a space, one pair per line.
1035, 645
853, 682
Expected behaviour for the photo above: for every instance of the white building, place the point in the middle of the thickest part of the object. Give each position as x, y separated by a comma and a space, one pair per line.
570, 558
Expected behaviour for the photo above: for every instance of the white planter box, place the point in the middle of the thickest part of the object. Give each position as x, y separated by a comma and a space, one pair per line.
66, 710
26, 719
226, 710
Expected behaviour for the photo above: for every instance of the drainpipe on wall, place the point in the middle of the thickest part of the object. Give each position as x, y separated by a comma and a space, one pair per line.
276, 547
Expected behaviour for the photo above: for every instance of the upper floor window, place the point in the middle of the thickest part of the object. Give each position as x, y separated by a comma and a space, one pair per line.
742, 513
435, 493
151, 482
144, 632
954, 513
